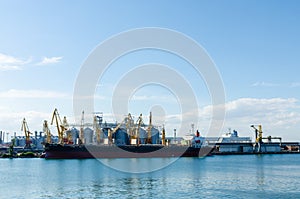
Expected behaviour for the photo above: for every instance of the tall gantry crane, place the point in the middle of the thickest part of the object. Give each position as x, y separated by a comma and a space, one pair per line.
27, 133
68, 133
149, 140
129, 125
139, 123
163, 136
47, 132
97, 127
59, 125
258, 136
81, 132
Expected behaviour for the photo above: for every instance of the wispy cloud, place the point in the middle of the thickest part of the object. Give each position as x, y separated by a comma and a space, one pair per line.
295, 84
264, 84
269, 84
50, 60
151, 97
9, 63
13, 93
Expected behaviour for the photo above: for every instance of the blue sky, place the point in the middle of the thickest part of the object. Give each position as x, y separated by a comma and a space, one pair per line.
254, 44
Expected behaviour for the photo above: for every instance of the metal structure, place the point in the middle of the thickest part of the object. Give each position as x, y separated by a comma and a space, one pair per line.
149, 140
69, 139
81, 132
258, 133
129, 126
163, 136
258, 136
47, 132
97, 127
139, 123
270, 138
26, 132
59, 125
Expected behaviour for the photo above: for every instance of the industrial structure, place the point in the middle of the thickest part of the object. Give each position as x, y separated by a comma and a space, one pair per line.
137, 134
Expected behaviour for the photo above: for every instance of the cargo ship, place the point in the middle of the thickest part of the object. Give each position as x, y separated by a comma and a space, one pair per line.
123, 140
58, 151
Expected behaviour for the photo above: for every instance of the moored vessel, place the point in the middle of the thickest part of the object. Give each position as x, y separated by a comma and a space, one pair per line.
57, 151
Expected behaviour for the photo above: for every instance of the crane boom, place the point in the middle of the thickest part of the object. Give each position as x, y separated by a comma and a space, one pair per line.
149, 141
81, 136
163, 136
139, 124
97, 128
258, 136
47, 132
129, 124
26, 132
59, 126
69, 134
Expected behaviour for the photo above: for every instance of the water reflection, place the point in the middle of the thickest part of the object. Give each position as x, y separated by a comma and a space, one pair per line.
260, 173
138, 165
216, 177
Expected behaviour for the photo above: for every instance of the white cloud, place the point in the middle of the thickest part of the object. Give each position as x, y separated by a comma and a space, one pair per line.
8, 62
11, 121
279, 117
13, 93
50, 60
258, 110
264, 84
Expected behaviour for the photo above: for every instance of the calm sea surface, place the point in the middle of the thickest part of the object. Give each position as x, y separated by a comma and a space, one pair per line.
248, 176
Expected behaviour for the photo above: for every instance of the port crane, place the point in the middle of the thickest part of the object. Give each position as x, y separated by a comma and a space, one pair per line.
128, 121
27, 133
259, 138
163, 136
59, 125
96, 125
47, 132
81, 132
68, 133
139, 123
112, 132
129, 125
149, 141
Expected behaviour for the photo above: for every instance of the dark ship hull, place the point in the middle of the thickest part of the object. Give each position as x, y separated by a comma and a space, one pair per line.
56, 151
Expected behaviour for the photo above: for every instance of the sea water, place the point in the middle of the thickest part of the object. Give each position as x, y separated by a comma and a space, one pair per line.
235, 176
